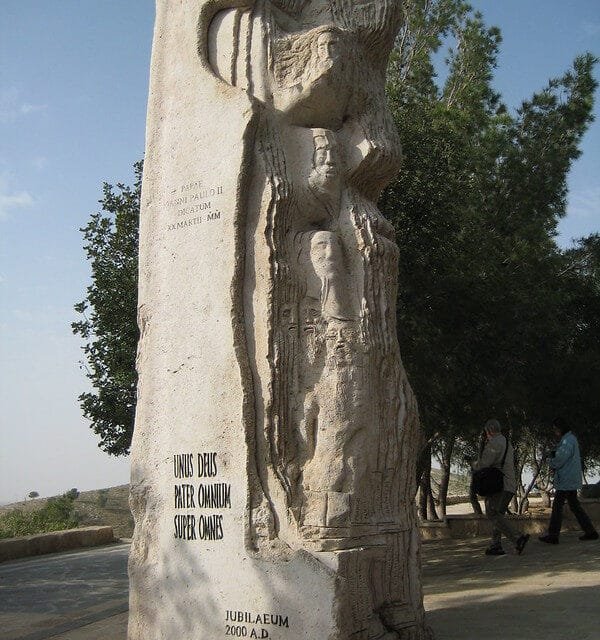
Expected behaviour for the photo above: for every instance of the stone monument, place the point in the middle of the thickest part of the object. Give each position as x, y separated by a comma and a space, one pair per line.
273, 461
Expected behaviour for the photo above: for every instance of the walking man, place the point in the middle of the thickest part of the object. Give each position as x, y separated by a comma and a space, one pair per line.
566, 464
498, 452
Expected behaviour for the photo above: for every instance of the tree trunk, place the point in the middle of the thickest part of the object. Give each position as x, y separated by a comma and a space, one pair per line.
445, 463
431, 510
536, 467
427, 509
473, 499
546, 500
475, 503
422, 503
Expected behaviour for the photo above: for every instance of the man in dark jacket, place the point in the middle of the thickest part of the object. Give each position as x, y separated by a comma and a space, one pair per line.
498, 452
566, 465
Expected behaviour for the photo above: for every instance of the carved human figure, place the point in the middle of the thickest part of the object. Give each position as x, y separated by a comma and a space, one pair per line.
325, 180
321, 255
310, 77
336, 403
328, 52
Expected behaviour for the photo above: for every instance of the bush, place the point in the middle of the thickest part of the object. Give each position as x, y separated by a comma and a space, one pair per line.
72, 494
102, 497
57, 514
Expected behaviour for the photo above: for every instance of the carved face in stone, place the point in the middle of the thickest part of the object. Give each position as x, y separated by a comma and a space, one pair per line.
326, 174
342, 339
311, 323
288, 316
328, 47
324, 161
310, 312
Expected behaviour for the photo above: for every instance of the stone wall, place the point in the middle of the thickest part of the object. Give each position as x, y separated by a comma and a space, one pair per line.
42, 543
472, 526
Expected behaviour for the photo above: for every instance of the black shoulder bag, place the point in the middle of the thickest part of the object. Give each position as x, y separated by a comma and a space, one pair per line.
489, 480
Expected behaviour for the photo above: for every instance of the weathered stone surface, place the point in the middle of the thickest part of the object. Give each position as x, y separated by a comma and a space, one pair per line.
274, 453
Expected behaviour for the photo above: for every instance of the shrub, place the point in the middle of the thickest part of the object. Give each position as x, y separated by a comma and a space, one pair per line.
57, 514
102, 497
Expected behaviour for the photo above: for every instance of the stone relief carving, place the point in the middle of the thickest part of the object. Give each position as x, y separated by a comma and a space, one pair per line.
335, 416
337, 400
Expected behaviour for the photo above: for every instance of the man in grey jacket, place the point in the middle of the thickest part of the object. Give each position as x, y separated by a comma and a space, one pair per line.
497, 449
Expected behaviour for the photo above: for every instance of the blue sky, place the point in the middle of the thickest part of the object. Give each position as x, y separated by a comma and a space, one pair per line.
73, 91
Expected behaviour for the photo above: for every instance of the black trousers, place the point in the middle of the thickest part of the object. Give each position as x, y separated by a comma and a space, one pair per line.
557, 513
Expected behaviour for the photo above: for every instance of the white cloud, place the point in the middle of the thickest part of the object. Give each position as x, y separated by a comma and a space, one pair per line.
585, 203
2, 279
32, 108
23, 315
12, 106
12, 200
39, 162
591, 28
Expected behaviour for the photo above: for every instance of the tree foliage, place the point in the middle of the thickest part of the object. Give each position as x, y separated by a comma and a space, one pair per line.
492, 320
108, 326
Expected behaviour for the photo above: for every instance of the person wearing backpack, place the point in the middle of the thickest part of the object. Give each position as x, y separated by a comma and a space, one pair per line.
566, 465
498, 453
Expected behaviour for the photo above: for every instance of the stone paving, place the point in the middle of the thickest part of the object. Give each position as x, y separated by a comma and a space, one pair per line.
548, 593
44, 596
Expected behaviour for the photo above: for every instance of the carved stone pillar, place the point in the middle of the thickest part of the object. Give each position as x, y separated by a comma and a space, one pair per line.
274, 453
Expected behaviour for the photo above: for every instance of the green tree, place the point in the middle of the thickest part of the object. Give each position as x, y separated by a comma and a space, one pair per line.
109, 327
475, 208
570, 385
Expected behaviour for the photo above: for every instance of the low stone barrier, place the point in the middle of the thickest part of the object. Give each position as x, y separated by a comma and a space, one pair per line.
41, 543
435, 530
473, 526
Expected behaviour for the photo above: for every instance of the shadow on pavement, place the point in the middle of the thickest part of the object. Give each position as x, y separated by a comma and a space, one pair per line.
548, 593
570, 613
455, 565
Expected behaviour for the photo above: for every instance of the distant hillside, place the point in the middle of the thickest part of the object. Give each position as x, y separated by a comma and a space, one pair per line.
459, 484
99, 507
111, 506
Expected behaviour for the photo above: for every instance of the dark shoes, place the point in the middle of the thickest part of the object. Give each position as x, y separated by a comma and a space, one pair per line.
521, 542
589, 536
554, 539
495, 551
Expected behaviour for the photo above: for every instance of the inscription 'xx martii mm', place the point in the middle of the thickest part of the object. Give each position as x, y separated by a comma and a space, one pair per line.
192, 222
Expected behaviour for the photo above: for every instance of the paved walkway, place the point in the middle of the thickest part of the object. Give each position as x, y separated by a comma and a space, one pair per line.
548, 593
46, 596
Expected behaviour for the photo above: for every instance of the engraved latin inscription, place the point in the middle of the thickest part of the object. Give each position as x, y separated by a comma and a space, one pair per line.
199, 493
191, 204
255, 624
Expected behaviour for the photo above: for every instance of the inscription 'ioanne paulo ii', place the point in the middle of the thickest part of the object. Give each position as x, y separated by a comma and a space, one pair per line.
201, 496
192, 204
